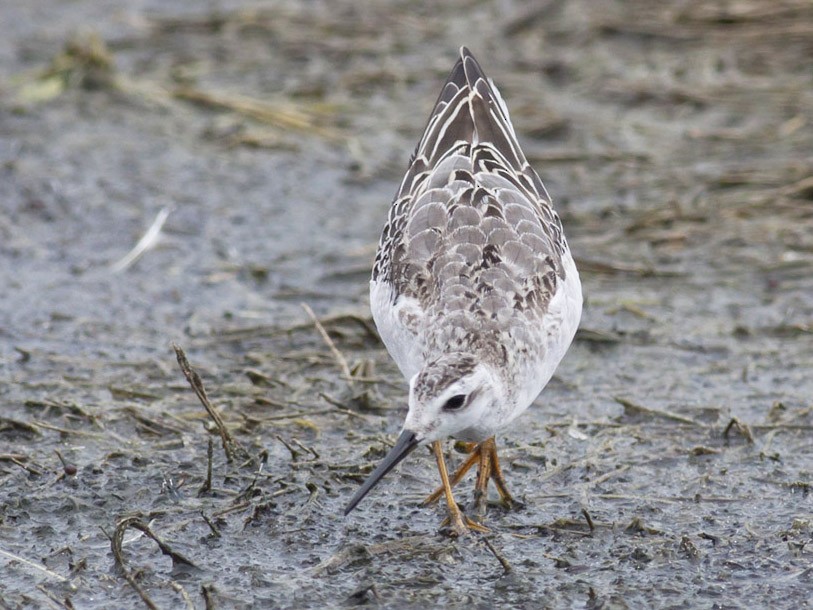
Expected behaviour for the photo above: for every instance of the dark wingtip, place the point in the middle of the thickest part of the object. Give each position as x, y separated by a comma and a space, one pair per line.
405, 444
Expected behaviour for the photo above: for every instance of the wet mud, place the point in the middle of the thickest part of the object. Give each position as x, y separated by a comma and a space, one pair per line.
216, 179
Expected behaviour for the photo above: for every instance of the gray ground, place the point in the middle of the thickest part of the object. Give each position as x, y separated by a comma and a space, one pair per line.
668, 464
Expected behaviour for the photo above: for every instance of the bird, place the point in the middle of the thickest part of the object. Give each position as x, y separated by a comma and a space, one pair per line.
474, 290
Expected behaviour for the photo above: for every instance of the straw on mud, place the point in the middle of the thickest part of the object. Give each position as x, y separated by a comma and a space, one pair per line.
617, 268
341, 407
207, 591
608, 475
699, 450
259, 378
34, 565
207, 484
106, 435
214, 529
689, 548
597, 336
294, 452
179, 588
741, 427
118, 558
136, 523
231, 509
310, 450
62, 405
631, 408
120, 393
337, 355
506, 566
55, 601
149, 240
633, 309
153, 426
241, 334
19, 460
273, 114
405, 547
68, 468
20, 425
589, 519
230, 446
116, 542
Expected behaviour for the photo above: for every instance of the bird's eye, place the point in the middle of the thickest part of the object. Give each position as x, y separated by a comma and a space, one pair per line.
455, 402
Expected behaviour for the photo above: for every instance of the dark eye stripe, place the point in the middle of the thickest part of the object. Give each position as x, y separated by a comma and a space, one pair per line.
455, 402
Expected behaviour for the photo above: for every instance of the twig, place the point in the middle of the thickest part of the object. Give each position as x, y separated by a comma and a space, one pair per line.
688, 547
413, 545
741, 427
507, 568
12, 457
241, 334
609, 475
781, 427
589, 519
20, 425
145, 243
291, 118
207, 484
31, 564
138, 524
106, 435
294, 452
310, 450
631, 407
115, 546
340, 407
214, 529
21, 464
55, 602
69, 468
156, 427
284, 416
230, 446
231, 509
179, 588
208, 596
340, 359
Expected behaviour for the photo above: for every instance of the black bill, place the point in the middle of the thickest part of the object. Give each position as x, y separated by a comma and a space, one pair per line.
405, 444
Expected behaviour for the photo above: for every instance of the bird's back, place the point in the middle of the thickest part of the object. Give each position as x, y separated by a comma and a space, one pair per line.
472, 254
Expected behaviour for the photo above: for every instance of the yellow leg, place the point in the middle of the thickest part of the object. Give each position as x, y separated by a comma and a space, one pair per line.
498, 478
458, 524
485, 455
483, 475
456, 477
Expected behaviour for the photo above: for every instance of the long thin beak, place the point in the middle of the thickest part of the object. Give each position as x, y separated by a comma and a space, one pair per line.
405, 444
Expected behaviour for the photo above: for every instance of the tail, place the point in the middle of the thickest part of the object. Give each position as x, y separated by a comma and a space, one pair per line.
469, 110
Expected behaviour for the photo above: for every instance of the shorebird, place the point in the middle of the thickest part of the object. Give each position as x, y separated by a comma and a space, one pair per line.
474, 290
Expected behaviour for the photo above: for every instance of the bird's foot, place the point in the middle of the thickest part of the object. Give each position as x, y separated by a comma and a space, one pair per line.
456, 527
509, 502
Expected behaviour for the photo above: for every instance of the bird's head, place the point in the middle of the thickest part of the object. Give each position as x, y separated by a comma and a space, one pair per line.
452, 396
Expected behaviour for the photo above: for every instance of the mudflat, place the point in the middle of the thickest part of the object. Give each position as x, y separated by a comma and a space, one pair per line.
216, 180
